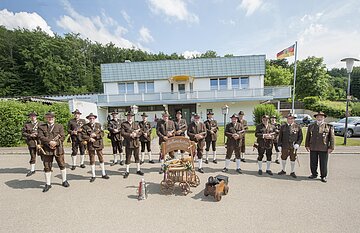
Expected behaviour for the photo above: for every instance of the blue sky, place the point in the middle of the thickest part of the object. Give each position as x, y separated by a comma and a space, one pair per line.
327, 28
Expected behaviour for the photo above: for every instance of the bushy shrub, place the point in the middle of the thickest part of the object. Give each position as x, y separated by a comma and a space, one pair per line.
264, 109
310, 100
13, 115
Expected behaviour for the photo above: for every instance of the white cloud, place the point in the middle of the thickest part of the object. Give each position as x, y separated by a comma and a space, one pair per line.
127, 17
191, 54
176, 9
227, 22
25, 20
102, 29
320, 36
145, 35
250, 6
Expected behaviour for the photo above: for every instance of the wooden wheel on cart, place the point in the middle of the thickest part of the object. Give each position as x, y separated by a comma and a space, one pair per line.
185, 187
195, 181
167, 186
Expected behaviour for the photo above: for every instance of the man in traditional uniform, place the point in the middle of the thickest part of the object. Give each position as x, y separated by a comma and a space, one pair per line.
197, 133
93, 135
30, 133
265, 134
181, 127
234, 133
165, 129
114, 128
245, 127
289, 141
145, 138
52, 136
131, 132
277, 129
211, 137
320, 141
74, 129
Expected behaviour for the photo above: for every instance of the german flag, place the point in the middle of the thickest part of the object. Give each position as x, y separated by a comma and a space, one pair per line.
288, 52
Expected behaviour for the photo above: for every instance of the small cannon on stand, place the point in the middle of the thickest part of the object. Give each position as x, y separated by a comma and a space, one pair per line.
217, 186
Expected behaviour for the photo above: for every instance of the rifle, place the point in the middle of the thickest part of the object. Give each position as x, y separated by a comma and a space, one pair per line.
57, 137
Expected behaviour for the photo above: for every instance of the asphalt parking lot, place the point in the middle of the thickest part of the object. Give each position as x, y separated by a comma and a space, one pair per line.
254, 203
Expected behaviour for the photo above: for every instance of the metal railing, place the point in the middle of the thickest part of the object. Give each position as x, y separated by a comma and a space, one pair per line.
212, 95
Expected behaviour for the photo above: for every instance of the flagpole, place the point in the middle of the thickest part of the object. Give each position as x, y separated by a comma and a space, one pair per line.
293, 94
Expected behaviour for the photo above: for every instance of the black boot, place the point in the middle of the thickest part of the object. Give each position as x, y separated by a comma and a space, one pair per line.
126, 174
73, 167
106, 177
140, 173
92, 179
46, 188
65, 184
30, 173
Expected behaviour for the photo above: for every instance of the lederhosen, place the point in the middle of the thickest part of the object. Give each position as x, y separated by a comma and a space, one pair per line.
32, 142
131, 144
233, 145
145, 141
211, 138
46, 134
98, 145
76, 141
264, 145
115, 137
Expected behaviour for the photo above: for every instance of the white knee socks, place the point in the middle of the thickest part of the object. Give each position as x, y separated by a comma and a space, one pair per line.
238, 163
268, 163
200, 163
138, 166
227, 163
142, 156
283, 163
206, 155
102, 165
127, 168
73, 160
260, 165
82, 159
292, 163
149, 154
48, 178
93, 170
32, 167
214, 155
63, 175
115, 158
121, 157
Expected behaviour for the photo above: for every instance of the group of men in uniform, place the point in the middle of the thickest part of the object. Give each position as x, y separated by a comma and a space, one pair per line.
47, 140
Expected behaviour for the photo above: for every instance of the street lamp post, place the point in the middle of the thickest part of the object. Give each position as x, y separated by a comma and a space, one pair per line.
349, 68
225, 111
135, 110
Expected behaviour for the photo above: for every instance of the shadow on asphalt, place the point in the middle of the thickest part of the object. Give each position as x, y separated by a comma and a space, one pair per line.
17, 170
200, 196
25, 184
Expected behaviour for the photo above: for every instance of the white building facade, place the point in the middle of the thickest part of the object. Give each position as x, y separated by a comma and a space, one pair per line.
190, 85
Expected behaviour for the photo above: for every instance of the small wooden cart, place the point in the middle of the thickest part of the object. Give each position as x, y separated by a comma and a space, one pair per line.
181, 171
217, 186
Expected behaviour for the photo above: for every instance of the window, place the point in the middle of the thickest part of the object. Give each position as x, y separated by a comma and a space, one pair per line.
142, 87
214, 84
129, 88
122, 88
223, 83
235, 83
244, 82
126, 88
191, 87
218, 84
209, 110
172, 88
146, 87
150, 87
181, 88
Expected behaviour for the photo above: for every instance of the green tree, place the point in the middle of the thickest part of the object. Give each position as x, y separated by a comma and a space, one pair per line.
355, 83
312, 78
277, 75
